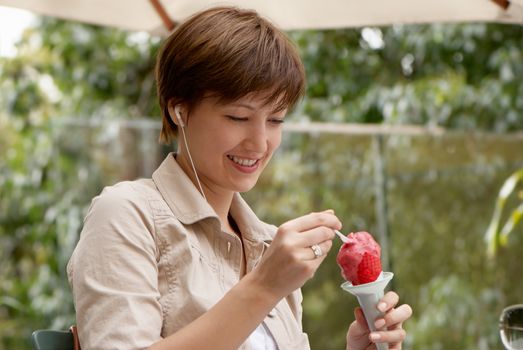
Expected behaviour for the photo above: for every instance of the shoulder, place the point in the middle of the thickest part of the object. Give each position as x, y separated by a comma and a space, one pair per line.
125, 195
129, 191
121, 205
118, 223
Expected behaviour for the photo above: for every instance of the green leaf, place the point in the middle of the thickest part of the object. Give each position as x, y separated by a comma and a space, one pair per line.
513, 220
495, 237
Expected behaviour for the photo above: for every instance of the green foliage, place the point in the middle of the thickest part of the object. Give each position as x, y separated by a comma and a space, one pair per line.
43, 189
449, 303
497, 235
84, 71
465, 77
451, 75
47, 175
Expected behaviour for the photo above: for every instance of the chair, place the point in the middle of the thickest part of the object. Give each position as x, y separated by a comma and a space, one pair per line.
46, 339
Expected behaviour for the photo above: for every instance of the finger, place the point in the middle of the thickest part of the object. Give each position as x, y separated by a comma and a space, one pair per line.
389, 300
314, 236
358, 333
395, 317
395, 346
360, 319
391, 336
312, 220
308, 252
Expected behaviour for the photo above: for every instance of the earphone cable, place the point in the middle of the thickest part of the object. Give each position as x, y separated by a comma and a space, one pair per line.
192, 164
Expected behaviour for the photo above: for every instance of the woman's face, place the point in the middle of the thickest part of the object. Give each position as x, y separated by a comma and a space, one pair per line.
230, 143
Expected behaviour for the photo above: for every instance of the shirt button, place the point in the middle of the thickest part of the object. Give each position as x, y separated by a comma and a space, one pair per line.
272, 313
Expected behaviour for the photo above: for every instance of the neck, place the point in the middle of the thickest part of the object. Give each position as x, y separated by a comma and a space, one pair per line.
221, 203
219, 199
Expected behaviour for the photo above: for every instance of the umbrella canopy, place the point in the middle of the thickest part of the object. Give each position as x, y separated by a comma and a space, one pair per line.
159, 16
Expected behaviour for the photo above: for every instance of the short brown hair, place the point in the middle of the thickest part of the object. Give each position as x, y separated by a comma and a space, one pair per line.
230, 53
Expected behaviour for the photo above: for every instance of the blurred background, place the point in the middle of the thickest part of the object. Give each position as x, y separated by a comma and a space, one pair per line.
407, 131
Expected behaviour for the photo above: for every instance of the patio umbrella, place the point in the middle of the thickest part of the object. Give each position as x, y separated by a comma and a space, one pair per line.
160, 16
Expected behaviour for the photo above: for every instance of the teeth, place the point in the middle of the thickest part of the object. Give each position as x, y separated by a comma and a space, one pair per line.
243, 162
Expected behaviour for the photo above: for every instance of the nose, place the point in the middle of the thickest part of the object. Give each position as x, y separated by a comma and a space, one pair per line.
256, 139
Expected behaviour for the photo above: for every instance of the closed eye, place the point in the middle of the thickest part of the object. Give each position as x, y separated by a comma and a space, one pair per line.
237, 119
276, 121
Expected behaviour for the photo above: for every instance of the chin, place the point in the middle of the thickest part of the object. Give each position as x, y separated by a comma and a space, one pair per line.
245, 187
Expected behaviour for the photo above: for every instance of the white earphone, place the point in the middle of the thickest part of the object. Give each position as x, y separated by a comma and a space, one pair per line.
178, 113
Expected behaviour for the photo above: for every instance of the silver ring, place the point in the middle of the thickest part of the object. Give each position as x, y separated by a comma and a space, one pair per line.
316, 249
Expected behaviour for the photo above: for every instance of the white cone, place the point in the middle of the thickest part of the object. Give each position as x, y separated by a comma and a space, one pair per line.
368, 295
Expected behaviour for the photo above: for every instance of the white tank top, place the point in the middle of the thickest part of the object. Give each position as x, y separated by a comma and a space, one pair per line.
262, 339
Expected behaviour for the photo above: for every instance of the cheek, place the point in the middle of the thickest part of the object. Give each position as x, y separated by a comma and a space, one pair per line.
275, 140
220, 144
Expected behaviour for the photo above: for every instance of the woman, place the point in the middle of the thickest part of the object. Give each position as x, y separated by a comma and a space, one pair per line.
180, 261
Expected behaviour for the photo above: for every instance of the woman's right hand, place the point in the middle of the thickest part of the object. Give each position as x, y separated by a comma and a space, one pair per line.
290, 262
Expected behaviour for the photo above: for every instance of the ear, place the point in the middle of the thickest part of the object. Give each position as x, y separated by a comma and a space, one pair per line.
176, 113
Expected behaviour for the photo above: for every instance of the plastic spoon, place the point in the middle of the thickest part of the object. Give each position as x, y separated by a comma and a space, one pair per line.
343, 238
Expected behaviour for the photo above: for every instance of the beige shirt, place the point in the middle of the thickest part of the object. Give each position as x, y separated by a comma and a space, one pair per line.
152, 257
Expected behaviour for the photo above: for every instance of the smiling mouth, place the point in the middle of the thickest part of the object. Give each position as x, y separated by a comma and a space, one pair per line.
243, 162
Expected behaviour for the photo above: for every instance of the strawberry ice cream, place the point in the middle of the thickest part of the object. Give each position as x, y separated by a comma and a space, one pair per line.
359, 258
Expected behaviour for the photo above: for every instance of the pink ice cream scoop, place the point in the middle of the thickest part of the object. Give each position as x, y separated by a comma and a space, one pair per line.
359, 258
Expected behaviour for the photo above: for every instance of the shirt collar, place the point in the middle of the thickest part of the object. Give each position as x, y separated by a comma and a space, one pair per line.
184, 199
250, 226
189, 206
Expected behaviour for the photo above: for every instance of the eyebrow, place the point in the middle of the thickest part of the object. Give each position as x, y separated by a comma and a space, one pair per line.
248, 106
245, 105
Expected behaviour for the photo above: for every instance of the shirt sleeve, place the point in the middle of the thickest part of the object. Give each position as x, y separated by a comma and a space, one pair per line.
295, 300
114, 273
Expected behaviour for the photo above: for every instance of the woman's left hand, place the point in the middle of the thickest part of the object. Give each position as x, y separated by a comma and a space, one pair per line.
390, 326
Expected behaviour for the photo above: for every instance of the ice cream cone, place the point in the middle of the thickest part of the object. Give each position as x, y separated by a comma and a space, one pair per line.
368, 295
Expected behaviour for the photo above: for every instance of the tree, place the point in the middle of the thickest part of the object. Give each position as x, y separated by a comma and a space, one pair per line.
450, 75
